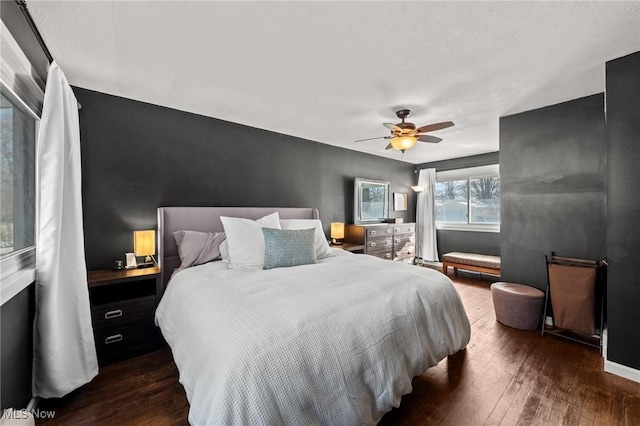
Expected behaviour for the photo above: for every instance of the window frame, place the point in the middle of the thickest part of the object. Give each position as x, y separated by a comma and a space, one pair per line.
18, 269
468, 174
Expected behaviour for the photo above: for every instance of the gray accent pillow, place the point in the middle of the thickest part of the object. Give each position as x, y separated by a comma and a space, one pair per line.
196, 248
288, 247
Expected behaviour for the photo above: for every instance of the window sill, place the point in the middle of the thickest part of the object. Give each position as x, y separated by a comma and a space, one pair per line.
18, 272
474, 227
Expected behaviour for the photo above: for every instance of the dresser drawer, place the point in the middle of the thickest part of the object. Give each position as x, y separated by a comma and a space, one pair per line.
405, 228
404, 253
382, 254
110, 316
379, 231
378, 243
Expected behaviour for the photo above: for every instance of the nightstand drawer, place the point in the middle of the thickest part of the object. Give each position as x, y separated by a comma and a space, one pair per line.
123, 342
109, 316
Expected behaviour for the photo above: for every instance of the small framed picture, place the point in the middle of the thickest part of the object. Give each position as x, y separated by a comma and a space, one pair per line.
400, 201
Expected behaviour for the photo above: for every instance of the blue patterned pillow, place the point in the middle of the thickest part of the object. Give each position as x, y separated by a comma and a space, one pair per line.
288, 247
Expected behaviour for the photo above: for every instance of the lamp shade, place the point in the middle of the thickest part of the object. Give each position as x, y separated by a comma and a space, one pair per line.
337, 230
403, 143
144, 243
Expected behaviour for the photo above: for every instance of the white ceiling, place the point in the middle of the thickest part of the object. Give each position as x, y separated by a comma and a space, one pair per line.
333, 72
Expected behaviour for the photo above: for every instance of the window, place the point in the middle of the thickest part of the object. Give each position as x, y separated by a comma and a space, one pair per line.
21, 99
468, 199
17, 174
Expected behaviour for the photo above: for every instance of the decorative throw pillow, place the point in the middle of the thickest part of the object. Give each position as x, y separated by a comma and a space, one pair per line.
288, 247
196, 248
245, 240
321, 245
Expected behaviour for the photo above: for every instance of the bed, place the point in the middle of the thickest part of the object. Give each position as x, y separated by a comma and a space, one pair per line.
333, 342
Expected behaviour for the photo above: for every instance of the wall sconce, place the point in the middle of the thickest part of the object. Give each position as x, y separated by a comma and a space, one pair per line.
418, 188
337, 233
144, 244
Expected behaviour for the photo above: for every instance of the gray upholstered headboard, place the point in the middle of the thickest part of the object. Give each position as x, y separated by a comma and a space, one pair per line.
207, 219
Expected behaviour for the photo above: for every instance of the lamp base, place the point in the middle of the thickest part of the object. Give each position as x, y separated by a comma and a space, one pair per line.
336, 242
145, 265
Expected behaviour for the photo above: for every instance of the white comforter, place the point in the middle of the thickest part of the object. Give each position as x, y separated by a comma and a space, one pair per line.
336, 343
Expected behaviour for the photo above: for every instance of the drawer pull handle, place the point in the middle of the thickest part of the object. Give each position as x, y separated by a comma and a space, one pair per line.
389, 230
388, 242
113, 339
398, 229
388, 255
113, 314
372, 244
397, 241
373, 232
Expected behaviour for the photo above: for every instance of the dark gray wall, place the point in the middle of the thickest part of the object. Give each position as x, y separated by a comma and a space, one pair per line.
552, 177
623, 210
137, 157
16, 348
466, 241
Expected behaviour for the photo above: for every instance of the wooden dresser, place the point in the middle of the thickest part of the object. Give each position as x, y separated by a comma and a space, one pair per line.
393, 241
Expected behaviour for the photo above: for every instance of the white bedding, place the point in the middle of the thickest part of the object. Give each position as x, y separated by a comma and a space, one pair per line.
337, 342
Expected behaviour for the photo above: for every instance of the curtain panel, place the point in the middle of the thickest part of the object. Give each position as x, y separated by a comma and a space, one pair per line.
64, 348
426, 216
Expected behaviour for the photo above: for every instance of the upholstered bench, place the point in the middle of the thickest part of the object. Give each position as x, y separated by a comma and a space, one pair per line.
472, 262
518, 306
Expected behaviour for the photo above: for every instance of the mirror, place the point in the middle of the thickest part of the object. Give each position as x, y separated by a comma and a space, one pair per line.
371, 200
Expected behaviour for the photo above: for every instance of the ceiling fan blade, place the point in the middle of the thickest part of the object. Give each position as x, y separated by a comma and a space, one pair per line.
390, 126
370, 139
389, 146
429, 138
434, 127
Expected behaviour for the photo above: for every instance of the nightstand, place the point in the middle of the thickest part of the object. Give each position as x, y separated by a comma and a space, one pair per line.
353, 248
123, 305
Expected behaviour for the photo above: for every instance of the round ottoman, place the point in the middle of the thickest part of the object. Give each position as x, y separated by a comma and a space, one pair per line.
518, 306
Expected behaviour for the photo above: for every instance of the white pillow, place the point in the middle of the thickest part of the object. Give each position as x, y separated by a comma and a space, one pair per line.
246, 241
321, 244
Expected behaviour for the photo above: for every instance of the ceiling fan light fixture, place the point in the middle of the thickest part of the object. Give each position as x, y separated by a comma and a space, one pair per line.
403, 143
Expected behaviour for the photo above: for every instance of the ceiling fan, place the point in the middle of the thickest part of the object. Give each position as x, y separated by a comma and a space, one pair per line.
404, 135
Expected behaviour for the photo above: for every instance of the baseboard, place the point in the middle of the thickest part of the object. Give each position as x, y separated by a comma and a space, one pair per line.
622, 371
614, 367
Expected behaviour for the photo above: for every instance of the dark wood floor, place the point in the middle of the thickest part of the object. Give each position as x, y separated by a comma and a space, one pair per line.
504, 377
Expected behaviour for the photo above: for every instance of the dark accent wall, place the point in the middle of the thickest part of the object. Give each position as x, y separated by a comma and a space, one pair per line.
16, 349
137, 157
466, 241
552, 177
623, 210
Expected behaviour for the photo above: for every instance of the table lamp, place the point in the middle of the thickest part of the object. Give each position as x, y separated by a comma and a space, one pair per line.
337, 233
144, 244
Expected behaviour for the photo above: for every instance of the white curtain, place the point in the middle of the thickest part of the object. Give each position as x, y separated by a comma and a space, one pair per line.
64, 348
426, 216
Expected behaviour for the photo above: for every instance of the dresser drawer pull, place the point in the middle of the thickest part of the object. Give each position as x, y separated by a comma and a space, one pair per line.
388, 231
113, 339
397, 240
388, 255
113, 314
398, 229
372, 244
388, 242
373, 232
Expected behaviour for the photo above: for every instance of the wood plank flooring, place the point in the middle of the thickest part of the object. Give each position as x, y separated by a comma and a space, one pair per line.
504, 377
